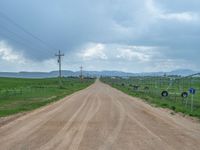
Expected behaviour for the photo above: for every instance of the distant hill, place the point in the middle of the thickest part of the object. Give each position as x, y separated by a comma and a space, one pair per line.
66, 73
182, 72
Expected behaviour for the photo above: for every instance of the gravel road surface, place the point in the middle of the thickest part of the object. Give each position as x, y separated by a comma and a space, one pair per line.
100, 118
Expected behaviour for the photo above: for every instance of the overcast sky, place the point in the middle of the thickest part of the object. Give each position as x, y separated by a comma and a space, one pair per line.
124, 35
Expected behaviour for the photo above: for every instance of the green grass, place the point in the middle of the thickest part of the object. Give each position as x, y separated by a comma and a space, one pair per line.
156, 85
19, 95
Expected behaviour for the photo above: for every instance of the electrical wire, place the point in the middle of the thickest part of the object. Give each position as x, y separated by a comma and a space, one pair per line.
3, 15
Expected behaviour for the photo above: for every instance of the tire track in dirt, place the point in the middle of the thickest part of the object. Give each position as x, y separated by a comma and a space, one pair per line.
118, 100
113, 136
59, 136
77, 139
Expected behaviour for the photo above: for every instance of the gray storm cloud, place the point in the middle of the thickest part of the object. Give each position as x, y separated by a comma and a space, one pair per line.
170, 27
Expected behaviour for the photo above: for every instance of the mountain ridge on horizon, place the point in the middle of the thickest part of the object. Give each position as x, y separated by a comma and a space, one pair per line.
27, 74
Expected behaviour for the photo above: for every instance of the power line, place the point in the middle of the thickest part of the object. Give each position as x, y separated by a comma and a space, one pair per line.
18, 36
20, 42
24, 30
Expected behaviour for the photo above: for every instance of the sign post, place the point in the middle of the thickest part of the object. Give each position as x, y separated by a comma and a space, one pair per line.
192, 92
192, 102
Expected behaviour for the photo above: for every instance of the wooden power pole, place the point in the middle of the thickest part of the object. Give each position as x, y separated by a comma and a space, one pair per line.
59, 55
81, 71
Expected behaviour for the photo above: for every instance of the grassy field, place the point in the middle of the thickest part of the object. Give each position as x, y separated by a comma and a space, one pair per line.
19, 95
150, 89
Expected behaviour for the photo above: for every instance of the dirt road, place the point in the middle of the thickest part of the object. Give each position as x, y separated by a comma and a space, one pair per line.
100, 118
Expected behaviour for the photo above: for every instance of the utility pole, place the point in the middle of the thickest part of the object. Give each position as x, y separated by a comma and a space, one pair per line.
81, 71
59, 55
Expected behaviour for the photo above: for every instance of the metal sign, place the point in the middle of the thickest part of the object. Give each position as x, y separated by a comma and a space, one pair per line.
192, 91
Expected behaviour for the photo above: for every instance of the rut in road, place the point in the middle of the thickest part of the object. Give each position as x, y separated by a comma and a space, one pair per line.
100, 118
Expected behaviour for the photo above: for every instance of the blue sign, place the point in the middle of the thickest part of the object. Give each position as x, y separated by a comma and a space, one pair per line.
192, 91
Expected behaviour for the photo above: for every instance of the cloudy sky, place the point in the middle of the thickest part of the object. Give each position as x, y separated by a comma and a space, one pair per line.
125, 35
